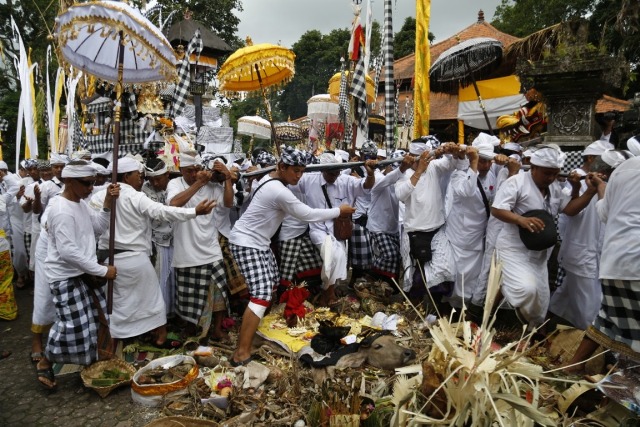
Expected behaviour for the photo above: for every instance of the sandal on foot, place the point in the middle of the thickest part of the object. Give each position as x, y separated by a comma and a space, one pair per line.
36, 356
46, 374
244, 362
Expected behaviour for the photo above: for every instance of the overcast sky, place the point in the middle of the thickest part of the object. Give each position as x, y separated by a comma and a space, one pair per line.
284, 21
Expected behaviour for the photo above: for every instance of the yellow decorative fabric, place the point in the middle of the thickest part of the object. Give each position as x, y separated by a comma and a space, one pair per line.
8, 306
421, 88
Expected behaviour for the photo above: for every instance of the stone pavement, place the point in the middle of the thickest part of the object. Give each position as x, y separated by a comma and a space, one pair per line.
23, 402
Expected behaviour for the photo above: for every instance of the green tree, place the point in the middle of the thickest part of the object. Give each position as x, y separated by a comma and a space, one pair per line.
217, 15
523, 17
35, 19
404, 41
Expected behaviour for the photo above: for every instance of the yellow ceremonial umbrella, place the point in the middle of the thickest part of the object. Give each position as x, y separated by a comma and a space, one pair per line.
256, 67
334, 87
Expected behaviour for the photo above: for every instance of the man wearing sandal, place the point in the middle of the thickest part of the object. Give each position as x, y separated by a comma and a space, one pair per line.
71, 229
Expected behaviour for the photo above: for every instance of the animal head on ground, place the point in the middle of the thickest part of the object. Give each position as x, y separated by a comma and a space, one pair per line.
379, 351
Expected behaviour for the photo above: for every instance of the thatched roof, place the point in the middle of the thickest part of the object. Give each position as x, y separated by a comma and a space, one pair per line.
181, 33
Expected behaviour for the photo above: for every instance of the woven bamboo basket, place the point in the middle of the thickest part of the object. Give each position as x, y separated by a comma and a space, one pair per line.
95, 371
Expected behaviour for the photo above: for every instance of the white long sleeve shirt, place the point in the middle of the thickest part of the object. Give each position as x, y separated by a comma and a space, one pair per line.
195, 242
384, 213
467, 221
268, 207
620, 209
71, 228
161, 229
133, 219
424, 204
344, 190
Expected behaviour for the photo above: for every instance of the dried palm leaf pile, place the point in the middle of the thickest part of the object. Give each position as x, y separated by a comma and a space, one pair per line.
465, 375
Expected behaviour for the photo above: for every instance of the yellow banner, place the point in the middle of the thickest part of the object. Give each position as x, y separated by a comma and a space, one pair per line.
421, 74
494, 88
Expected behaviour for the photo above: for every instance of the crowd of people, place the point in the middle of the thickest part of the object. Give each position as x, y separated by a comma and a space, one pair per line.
225, 234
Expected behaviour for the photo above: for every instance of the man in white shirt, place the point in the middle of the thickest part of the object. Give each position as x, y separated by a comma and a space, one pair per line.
26, 202
12, 185
8, 306
155, 188
72, 227
200, 275
524, 271
421, 192
43, 308
138, 306
471, 190
384, 217
617, 325
327, 190
578, 297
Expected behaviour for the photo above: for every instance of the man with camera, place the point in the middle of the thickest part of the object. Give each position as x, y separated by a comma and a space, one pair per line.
197, 258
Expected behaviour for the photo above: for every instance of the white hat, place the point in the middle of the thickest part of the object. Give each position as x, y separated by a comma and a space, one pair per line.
528, 152
633, 144
548, 156
187, 160
485, 137
484, 146
78, 168
343, 155
100, 170
613, 158
512, 146
382, 152
326, 158
57, 159
597, 148
3, 165
128, 164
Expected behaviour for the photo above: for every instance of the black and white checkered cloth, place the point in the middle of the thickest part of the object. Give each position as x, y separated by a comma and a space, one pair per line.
345, 108
4, 124
132, 138
388, 77
386, 253
79, 141
619, 316
359, 93
193, 289
131, 103
359, 247
377, 70
184, 76
299, 258
27, 244
73, 338
259, 269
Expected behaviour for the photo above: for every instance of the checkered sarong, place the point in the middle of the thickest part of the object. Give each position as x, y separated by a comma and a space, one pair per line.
73, 338
359, 247
359, 93
386, 253
344, 108
619, 317
299, 258
184, 76
235, 280
197, 287
27, 244
259, 269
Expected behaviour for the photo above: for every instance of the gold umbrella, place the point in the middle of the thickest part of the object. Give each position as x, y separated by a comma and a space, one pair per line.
256, 67
334, 86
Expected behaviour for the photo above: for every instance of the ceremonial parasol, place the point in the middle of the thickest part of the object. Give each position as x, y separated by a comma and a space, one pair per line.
323, 108
288, 132
113, 41
255, 127
334, 87
463, 64
256, 67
